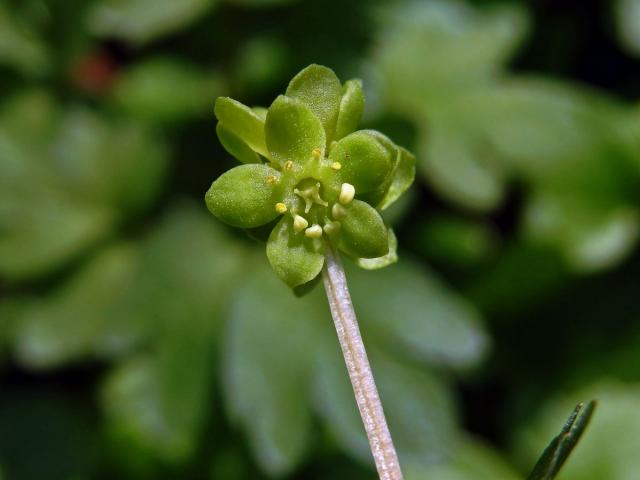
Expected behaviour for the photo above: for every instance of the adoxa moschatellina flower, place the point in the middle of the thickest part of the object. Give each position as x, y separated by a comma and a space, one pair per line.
307, 173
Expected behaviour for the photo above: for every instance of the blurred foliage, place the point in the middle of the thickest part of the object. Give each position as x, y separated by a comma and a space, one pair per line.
139, 338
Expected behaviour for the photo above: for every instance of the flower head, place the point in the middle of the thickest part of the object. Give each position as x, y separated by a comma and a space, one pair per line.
310, 174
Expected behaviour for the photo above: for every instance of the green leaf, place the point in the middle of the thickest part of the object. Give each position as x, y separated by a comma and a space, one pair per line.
363, 233
267, 352
245, 196
384, 261
142, 21
243, 122
411, 307
365, 162
236, 146
351, 108
318, 88
295, 258
293, 131
562, 445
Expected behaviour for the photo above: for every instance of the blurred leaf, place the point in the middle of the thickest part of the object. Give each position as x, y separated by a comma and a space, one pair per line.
71, 323
561, 446
460, 169
628, 18
590, 236
163, 89
268, 350
417, 404
409, 306
142, 21
160, 399
470, 460
66, 179
466, 47
20, 46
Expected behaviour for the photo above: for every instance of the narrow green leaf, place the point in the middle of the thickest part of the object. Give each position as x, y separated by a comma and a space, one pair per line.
292, 131
318, 87
561, 446
243, 122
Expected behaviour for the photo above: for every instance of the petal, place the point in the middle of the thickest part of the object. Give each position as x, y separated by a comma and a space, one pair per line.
319, 89
384, 261
402, 176
351, 107
235, 145
245, 196
295, 258
363, 233
243, 122
365, 162
292, 131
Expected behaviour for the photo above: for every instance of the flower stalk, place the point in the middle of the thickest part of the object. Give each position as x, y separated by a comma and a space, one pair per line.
360, 374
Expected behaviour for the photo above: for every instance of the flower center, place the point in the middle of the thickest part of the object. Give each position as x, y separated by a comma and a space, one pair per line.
309, 191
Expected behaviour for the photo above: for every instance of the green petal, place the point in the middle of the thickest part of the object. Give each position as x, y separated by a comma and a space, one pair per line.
365, 161
363, 233
402, 176
351, 107
384, 261
245, 196
318, 88
235, 145
295, 258
292, 131
243, 122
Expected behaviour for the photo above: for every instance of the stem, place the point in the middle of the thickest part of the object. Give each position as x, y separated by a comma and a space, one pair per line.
355, 357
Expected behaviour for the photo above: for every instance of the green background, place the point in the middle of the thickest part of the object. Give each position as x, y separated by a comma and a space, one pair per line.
141, 338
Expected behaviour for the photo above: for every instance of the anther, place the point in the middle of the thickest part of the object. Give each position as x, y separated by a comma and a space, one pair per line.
281, 207
338, 211
288, 165
316, 152
336, 166
271, 179
314, 231
299, 223
347, 192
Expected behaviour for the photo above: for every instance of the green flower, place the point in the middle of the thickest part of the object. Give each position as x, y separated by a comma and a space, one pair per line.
309, 177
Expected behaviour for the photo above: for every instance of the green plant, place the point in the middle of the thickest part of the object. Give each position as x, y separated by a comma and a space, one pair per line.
322, 184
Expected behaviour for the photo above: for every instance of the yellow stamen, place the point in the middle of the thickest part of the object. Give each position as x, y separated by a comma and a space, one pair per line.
336, 166
316, 152
299, 223
288, 165
314, 231
347, 192
281, 207
271, 179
